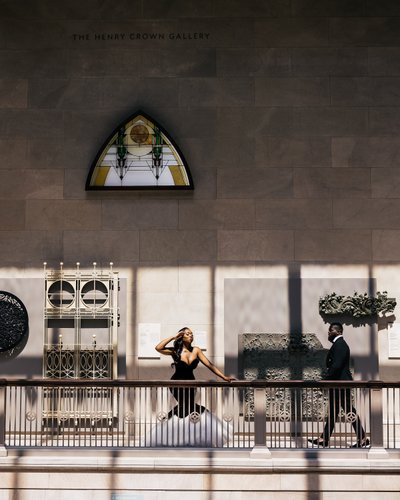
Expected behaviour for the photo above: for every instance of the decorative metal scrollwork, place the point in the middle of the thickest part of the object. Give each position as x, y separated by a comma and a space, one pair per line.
227, 417
358, 305
351, 417
64, 362
13, 321
30, 416
162, 416
129, 416
194, 417
284, 416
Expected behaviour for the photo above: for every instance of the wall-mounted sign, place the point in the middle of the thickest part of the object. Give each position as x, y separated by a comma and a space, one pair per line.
149, 337
394, 340
139, 154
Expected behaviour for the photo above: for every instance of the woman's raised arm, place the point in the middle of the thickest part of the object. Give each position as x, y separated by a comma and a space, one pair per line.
206, 362
162, 346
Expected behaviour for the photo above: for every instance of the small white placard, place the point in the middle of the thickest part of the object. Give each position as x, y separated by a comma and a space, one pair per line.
394, 340
149, 337
200, 339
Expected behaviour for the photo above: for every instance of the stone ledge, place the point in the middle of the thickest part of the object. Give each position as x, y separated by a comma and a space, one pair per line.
200, 460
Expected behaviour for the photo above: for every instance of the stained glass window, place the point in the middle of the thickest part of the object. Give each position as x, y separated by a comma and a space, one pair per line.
139, 155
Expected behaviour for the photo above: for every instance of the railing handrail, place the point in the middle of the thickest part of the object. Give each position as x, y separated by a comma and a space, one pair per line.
40, 382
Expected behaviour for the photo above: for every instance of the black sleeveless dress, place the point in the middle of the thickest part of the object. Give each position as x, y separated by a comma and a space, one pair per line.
185, 396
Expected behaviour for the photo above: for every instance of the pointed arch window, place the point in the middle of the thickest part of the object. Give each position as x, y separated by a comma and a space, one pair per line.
139, 154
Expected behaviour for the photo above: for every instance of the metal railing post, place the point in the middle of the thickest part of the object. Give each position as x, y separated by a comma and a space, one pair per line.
3, 451
260, 426
376, 412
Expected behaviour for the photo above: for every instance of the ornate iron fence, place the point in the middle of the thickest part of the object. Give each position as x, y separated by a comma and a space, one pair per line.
237, 415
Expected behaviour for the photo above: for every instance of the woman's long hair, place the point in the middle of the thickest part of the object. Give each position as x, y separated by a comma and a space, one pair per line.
178, 347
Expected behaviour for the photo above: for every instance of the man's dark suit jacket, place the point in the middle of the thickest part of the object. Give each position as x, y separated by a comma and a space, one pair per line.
338, 361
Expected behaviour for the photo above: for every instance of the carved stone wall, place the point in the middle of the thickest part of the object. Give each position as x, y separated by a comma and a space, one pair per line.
275, 356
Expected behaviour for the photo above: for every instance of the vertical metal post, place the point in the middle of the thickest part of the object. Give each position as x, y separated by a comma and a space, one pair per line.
260, 449
376, 408
3, 387
259, 417
376, 418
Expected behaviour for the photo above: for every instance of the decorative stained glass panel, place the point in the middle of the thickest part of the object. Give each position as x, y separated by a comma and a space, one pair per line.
139, 155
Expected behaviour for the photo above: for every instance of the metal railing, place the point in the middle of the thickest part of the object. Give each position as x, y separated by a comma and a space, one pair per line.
236, 415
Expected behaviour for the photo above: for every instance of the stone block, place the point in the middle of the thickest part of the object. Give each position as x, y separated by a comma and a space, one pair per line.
331, 183
13, 153
384, 61
178, 8
44, 184
33, 123
121, 63
219, 214
176, 246
292, 32
365, 91
262, 122
124, 9
364, 31
293, 151
336, 61
94, 126
44, 154
385, 183
195, 278
38, 63
65, 93
156, 279
255, 183
292, 91
334, 121
44, 9
187, 308
205, 182
13, 93
193, 122
373, 213
352, 91
216, 92
24, 248
293, 214
242, 245
328, 8
333, 245
383, 8
365, 152
53, 215
255, 9
133, 214
103, 247
385, 245
258, 62
25, 34
156, 91
12, 184
219, 153
384, 121
183, 62
13, 215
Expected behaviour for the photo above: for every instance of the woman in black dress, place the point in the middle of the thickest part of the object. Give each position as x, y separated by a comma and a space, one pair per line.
186, 357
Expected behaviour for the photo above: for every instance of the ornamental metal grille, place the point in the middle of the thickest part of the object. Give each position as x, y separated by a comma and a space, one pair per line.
80, 323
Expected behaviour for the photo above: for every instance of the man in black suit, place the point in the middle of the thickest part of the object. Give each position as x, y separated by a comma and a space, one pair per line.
338, 365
